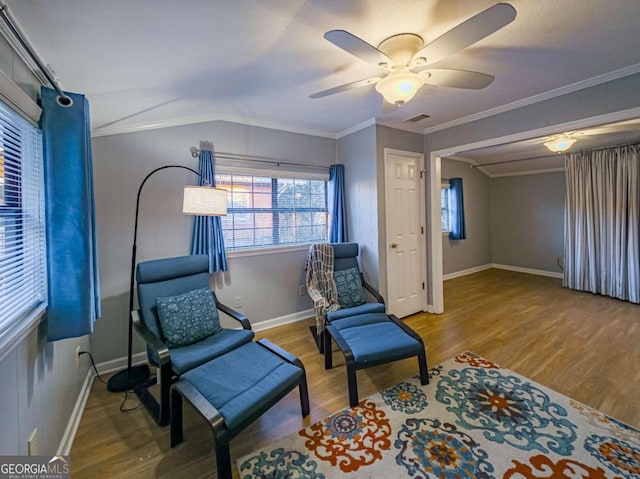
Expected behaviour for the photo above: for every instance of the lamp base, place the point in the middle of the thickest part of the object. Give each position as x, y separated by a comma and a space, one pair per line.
126, 379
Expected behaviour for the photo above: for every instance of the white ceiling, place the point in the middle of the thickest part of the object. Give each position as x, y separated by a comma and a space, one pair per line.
147, 63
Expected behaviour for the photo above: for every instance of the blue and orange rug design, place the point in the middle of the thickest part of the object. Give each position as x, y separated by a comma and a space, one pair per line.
474, 420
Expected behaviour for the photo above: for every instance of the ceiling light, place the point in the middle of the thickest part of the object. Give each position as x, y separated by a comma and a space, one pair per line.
560, 143
399, 88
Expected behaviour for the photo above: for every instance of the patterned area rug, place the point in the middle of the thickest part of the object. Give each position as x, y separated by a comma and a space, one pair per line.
474, 420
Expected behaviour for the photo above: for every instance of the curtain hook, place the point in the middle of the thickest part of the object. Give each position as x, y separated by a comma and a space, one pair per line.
195, 152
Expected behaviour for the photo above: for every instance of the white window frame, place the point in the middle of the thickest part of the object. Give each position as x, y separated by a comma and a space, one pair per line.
25, 295
272, 173
446, 186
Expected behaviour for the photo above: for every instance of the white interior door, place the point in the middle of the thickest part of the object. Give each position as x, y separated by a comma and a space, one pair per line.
404, 204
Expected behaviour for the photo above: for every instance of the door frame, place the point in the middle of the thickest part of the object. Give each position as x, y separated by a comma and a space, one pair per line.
422, 217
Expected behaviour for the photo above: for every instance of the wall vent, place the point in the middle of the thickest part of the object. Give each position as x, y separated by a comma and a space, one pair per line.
417, 118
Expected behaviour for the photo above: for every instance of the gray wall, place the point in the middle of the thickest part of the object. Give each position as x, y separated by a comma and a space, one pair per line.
527, 220
40, 381
268, 283
475, 250
357, 152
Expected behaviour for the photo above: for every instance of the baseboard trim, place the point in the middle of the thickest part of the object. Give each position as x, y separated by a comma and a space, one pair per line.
465, 272
282, 320
120, 363
64, 449
518, 269
539, 272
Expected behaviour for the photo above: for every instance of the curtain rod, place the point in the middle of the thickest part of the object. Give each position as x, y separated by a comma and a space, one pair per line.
64, 100
612, 146
260, 159
512, 161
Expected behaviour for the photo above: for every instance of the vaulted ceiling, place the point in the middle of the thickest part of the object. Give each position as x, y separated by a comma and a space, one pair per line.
146, 63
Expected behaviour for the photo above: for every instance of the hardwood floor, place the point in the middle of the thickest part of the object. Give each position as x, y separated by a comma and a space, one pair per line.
581, 345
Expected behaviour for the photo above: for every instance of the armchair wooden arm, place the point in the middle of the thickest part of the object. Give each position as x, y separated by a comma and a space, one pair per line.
241, 318
371, 290
153, 341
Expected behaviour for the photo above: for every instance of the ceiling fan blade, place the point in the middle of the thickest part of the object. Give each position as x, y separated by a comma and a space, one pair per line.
345, 87
468, 32
458, 78
357, 47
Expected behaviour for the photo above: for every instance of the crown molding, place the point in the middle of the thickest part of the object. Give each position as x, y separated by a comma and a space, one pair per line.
355, 128
117, 130
573, 87
529, 172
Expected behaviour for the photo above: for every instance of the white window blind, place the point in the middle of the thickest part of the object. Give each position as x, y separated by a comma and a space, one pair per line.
266, 211
22, 234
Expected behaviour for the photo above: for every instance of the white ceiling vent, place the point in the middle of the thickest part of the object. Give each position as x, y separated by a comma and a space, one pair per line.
417, 118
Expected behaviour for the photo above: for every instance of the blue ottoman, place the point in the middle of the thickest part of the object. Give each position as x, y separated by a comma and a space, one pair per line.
371, 339
234, 389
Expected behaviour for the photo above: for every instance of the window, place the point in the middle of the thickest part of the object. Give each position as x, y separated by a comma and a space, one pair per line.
445, 208
22, 234
270, 211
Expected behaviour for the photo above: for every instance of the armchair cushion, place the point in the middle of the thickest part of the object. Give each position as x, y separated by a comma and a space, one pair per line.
188, 318
188, 357
356, 310
349, 287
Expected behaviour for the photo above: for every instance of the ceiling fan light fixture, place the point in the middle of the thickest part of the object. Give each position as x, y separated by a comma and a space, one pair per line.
560, 144
399, 88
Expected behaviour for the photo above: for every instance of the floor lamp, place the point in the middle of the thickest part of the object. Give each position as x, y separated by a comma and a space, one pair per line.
197, 200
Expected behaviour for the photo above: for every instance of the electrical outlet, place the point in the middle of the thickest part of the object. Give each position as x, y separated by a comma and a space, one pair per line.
77, 356
238, 301
302, 290
32, 443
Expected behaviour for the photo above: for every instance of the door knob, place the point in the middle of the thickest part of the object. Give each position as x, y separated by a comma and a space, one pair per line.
394, 245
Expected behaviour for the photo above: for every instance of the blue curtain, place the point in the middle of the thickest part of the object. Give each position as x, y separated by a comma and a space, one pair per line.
207, 230
458, 231
337, 205
72, 256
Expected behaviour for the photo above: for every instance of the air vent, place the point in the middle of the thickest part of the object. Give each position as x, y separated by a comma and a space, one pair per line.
417, 118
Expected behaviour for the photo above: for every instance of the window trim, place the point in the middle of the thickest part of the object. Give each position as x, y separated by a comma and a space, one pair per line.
445, 186
15, 333
267, 250
22, 325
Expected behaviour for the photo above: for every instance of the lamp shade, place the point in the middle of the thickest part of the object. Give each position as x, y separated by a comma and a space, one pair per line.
560, 144
204, 201
399, 88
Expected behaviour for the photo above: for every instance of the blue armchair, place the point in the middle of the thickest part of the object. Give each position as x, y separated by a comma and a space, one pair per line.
346, 259
167, 278
227, 377
348, 297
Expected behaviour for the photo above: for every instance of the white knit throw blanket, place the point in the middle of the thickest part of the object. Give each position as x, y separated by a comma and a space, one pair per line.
320, 284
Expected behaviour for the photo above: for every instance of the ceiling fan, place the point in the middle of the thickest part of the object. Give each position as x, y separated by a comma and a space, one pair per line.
405, 60
563, 141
